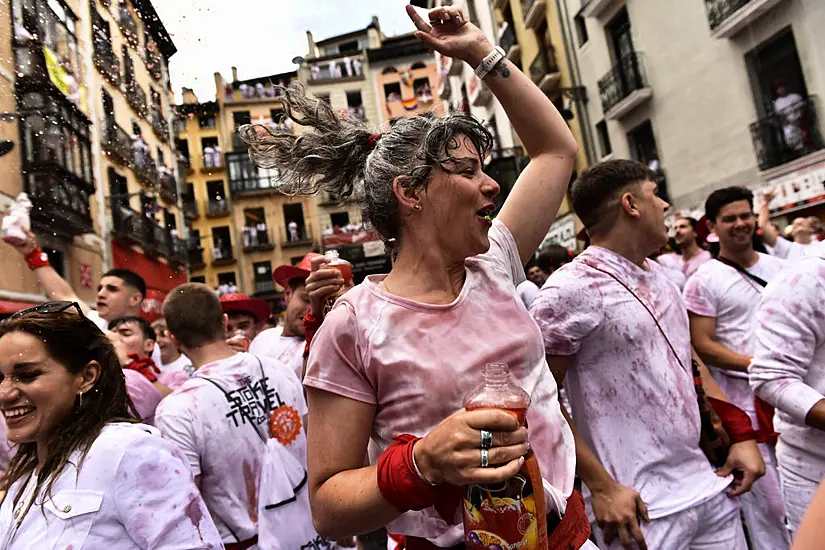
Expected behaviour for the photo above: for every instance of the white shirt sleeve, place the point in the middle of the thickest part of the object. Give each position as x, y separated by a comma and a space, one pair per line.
178, 427
527, 291
153, 476
504, 253
788, 333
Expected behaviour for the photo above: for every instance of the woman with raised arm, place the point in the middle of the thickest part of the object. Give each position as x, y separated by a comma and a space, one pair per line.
397, 354
85, 473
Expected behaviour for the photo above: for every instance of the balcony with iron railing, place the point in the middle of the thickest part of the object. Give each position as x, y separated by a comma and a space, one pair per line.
625, 87
265, 286
130, 226
179, 255
256, 238
246, 178
146, 169
136, 98
729, 17
787, 135
195, 256
222, 255
297, 235
185, 166
106, 61
160, 125
545, 72
168, 186
212, 162
216, 208
190, 207
533, 11
160, 243
594, 8
338, 68
509, 42
117, 143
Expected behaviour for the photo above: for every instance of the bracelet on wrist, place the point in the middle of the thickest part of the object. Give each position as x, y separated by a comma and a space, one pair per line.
37, 258
490, 62
421, 476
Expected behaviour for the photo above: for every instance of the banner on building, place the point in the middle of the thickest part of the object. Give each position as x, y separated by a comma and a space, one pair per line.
799, 189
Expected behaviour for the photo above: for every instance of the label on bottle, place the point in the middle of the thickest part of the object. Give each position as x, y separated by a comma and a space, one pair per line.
504, 516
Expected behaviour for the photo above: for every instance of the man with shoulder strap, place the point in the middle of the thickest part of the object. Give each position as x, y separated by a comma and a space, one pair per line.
224, 420
616, 334
721, 298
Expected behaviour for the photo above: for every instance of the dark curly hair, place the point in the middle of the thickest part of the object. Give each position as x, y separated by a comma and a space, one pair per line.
74, 342
340, 157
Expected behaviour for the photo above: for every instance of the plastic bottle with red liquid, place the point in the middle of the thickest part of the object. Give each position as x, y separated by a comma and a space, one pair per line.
337, 262
509, 515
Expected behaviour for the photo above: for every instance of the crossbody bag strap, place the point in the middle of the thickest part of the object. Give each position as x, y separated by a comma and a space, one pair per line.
758, 280
644, 305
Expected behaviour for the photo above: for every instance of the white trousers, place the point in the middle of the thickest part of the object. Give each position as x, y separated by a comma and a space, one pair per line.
711, 525
763, 509
798, 492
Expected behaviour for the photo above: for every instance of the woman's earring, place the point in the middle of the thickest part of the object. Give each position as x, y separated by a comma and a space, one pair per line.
417, 206
80, 398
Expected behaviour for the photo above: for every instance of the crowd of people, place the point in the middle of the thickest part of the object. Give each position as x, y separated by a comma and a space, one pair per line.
681, 393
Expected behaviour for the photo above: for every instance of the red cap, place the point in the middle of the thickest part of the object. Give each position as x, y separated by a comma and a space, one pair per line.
256, 307
285, 273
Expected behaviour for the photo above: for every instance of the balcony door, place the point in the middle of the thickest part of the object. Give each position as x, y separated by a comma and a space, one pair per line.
118, 191
775, 62
295, 225
622, 51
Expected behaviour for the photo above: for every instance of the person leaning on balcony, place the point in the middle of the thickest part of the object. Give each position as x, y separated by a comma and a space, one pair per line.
397, 353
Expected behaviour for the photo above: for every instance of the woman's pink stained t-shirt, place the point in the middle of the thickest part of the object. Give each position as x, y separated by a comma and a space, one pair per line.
417, 361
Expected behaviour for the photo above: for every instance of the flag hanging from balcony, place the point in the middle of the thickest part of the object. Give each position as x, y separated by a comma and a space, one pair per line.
410, 104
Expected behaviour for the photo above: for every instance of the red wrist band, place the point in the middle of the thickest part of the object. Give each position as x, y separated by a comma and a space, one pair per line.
311, 326
397, 479
735, 421
143, 365
764, 421
37, 258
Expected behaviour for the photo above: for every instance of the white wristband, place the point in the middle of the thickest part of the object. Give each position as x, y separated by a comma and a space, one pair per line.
489, 63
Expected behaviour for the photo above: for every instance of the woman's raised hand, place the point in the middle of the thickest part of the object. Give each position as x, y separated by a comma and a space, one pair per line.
449, 33
451, 452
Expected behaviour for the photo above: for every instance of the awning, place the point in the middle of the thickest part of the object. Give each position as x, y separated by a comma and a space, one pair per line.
8, 307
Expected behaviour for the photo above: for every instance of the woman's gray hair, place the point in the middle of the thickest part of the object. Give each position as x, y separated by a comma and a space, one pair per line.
339, 154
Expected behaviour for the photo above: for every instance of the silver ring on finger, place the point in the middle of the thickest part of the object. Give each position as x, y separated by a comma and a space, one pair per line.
486, 439
485, 459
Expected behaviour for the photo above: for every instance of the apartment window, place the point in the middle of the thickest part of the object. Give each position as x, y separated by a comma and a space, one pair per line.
392, 91
198, 279
206, 121
355, 105
216, 197
221, 243
643, 148
581, 30
296, 229
55, 26
244, 176
255, 233
348, 47
263, 277
182, 147
57, 260
240, 118
604, 138
620, 37
422, 89
227, 279
128, 68
339, 219
211, 153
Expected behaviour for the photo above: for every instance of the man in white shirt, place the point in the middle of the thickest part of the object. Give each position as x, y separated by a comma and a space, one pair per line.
692, 255
630, 383
223, 418
788, 371
722, 297
802, 232
175, 368
286, 343
245, 316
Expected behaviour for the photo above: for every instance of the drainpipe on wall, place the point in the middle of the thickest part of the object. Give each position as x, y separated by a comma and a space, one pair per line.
585, 125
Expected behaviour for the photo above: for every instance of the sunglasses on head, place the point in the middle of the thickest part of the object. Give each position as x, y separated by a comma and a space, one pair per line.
49, 308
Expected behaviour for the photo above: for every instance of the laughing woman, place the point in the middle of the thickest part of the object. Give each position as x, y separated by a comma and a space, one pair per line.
397, 354
85, 473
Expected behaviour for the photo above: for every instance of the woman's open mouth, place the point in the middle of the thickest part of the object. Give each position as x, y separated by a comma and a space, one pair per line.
487, 213
17, 414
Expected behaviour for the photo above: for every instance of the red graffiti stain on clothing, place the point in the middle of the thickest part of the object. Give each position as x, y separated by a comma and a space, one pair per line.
251, 482
195, 514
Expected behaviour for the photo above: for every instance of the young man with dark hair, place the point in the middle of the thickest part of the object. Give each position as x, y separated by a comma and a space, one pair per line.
616, 335
722, 297
245, 317
691, 255
224, 416
175, 367
134, 341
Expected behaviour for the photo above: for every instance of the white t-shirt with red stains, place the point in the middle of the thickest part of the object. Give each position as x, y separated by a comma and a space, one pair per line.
415, 362
720, 291
219, 433
632, 401
144, 394
288, 350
